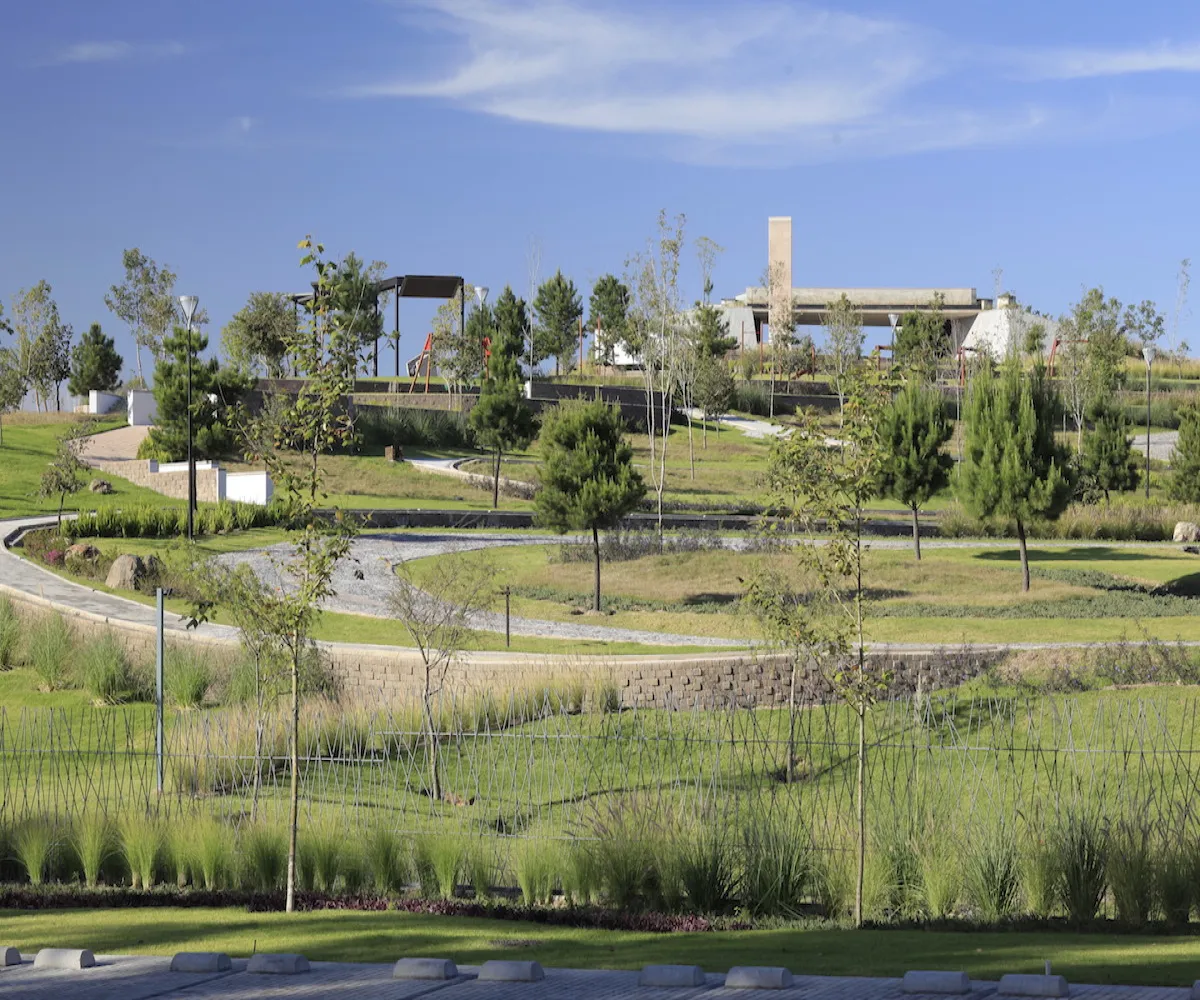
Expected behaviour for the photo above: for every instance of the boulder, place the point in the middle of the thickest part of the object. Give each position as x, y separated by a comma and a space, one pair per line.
126, 573
82, 550
100, 486
1187, 531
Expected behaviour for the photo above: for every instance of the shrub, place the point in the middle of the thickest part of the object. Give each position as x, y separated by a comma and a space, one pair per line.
1131, 874
187, 676
107, 674
992, 872
386, 860
535, 870
1082, 854
35, 842
776, 866
49, 647
264, 858
10, 633
379, 426
141, 843
751, 397
92, 838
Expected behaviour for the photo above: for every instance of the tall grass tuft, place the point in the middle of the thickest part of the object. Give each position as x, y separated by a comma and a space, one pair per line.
353, 868
211, 854
141, 843
264, 858
327, 848
107, 674
1081, 846
1131, 874
992, 872
580, 876
92, 838
1173, 885
940, 873
438, 861
707, 868
187, 676
1040, 878
833, 878
35, 842
386, 861
49, 650
899, 866
178, 856
10, 634
535, 865
479, 869
776, 866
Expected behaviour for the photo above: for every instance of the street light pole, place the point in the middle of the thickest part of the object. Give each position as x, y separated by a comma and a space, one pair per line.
893, 319
188, 303
1148, 353
481, 294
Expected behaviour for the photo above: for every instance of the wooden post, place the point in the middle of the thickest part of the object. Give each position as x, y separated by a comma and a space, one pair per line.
507, 616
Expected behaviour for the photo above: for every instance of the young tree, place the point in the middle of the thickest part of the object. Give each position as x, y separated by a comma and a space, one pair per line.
710, 329
1107, 458
843, 346
43, 341
607, 309
588, 482
1012, 466
912, 430
215, 392
922, 340
437, 612
95, 363
1096, 321
356, 304
254, 338
458, 348
714, 392
559, 309
61, 476
1184, 485
144, 302
823, 491
1143, 323
12, 385
510, 322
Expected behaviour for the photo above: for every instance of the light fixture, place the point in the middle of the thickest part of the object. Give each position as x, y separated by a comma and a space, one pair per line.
1149, 352
188, 304
481, 293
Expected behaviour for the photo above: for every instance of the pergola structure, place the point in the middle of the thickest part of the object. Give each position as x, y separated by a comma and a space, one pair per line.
409, 286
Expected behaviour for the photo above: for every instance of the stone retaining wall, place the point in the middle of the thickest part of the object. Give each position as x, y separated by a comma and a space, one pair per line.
169, 484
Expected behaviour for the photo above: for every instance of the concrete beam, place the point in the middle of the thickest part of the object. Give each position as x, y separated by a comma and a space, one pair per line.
201, 962
64, 958
9, 956
671, 975
498, 971
278, 965
758, 977
424, 968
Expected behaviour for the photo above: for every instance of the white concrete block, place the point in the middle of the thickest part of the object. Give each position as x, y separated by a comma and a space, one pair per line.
499, 971
9, 956
247, 487
758, 977
278, 965
671, 975
425, 968
1032, 985
142, 408
936, 981
201, 962
64, 958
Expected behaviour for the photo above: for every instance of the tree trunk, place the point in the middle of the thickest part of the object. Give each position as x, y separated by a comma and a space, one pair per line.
791, 744
691, 447
916, 533
294, 818
435, 778
1024, 556
62, 499
596, 553
496, 484
704, 432
258, 735
861, 787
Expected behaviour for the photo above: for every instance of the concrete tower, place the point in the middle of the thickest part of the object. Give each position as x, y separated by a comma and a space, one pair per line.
779, 267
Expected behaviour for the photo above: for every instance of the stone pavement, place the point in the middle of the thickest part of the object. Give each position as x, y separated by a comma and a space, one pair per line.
142, 978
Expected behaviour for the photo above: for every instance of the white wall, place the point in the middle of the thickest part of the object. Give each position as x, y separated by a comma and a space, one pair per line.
102, 402
142, 408
247, 487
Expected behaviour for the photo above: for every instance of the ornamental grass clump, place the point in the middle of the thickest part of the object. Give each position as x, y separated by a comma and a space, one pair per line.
94, 842
479, 867
776, 866
264, 858
1040, 878
48, 651
1081, 845
438, 860
141, 839
1173, 885
535, 864
386, 861
707, 868
10, 634
580, 875
1131, 873
211, 855
35, 844
188, 676
327, 847
992, 872
107, 673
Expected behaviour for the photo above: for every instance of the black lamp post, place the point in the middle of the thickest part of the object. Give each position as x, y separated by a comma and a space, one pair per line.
1148, 353
189, 303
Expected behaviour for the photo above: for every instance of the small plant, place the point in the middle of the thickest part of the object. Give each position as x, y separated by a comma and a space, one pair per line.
141, 843
1082, 854
992, 872
833, 878
177, 855
327, 849
478, 868
35, 842
437, 859
940, 873
535, 871
264, 858
49, 649
92, 839
1131, 874
580, 877
107, 674
776, 865
606, 697
386, 861
188, 676
10, 634
706, 868
211, 854
353, 867
1040, 877
1173, 886
900, 868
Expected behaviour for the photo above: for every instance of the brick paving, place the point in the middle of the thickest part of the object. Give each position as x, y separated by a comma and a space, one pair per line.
143, 978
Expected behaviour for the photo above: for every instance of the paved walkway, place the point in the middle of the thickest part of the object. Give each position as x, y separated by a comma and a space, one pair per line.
138, 978
119, 445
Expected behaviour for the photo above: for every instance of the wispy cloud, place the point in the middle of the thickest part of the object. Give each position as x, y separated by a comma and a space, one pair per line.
763, 77
115, 51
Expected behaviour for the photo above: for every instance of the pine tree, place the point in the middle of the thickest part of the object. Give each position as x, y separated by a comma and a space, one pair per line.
608, 310
95, 363
510, 321
912, 431
1185, 461
922, 339
1108, 459
1013, 467
559, 310
587, 477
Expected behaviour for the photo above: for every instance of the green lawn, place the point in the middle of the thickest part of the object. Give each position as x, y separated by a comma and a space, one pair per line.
384, 937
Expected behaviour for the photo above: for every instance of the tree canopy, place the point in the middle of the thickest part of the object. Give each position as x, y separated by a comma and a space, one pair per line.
608, 310
1108, 462
1185, 462
559, 309
256, 338
144, 301
922, 339
95, 363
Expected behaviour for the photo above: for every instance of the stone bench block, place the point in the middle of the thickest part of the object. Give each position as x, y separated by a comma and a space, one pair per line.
278, 965
201, 962
64, 958
671, 975
9, 956
1032, 985
758, 977
500, 971
425, 968
920, 981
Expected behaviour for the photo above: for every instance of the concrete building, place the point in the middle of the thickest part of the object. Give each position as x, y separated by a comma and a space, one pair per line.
1003, 331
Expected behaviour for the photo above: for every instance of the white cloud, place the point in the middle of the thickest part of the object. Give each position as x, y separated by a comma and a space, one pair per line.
116, 51
1080, 64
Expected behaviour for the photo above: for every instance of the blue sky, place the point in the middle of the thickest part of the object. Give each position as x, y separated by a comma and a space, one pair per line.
924, 143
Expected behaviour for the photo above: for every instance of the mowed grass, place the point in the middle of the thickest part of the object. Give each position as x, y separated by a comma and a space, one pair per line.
658, 592
331, 935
